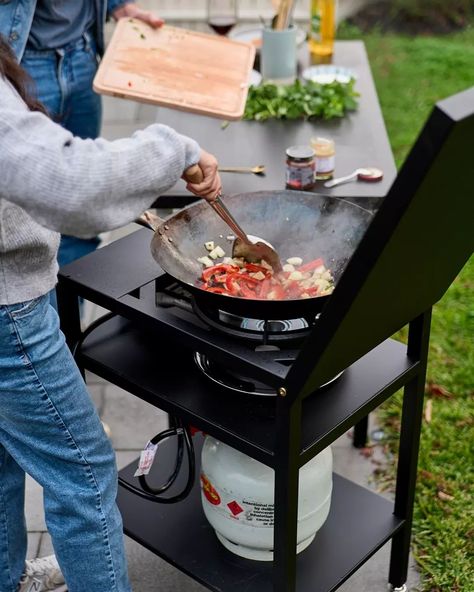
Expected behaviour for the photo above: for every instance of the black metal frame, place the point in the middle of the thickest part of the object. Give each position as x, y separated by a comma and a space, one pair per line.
353, 329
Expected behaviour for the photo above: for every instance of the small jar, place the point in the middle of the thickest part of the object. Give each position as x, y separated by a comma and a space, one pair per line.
300, 167
325, 152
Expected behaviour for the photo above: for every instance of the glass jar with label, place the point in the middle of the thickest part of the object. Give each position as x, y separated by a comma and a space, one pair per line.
325, 152
300, 167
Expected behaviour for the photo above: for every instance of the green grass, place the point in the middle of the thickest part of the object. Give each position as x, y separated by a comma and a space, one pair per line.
411, 74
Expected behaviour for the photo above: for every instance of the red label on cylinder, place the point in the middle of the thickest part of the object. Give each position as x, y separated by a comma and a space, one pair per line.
209, 491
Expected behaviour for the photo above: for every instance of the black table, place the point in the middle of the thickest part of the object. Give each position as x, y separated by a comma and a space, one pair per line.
360, 138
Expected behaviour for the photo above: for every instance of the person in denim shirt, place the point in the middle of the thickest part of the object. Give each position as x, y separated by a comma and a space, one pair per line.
59, 43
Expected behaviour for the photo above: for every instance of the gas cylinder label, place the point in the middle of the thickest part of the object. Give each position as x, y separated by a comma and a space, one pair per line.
245, 511
209, 491
259, 513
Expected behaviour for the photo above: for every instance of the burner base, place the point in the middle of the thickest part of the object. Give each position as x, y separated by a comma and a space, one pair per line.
234, 381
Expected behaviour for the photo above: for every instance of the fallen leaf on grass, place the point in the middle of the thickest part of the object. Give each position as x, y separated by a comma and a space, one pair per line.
436, 390
464, 423
428, 410
445, 496
367, 451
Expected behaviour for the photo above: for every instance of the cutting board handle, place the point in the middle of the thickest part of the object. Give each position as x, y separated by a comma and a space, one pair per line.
193, 174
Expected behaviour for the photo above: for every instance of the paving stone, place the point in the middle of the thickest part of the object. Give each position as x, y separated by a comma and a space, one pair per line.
46, 546
34, 506
32, 550
132, 421
373, 575
115, 131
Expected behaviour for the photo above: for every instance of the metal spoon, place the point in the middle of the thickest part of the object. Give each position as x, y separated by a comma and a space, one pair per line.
256, 170
243, 246
363, 174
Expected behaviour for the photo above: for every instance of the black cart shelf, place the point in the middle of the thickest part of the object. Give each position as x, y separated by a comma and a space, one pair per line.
393, 279
127, 357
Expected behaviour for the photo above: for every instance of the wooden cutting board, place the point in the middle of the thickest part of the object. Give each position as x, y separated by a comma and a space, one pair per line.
176, 68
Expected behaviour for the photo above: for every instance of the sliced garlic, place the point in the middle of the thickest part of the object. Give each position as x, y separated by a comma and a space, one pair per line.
295, 261
206, 261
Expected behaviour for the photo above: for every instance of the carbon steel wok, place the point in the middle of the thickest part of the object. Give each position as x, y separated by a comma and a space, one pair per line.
297, 224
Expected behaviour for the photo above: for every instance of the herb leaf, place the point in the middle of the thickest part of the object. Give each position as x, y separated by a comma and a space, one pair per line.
299, 100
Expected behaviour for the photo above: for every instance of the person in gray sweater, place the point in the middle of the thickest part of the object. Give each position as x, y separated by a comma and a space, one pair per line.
50, 183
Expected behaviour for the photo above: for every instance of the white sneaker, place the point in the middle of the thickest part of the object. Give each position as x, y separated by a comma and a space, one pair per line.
42, 574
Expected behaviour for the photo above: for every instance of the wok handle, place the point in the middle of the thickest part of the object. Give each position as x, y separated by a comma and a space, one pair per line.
149, 220
193, 174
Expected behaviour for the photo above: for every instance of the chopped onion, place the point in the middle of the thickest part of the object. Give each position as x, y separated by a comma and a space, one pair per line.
206, 261
217, 252
295, 261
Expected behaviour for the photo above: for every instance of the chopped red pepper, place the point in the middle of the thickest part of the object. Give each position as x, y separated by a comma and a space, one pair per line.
264, 288
216, 290
217, 269
231, 280
246, 291
294, 290
276, 292
254, 268
231, 285
311, 265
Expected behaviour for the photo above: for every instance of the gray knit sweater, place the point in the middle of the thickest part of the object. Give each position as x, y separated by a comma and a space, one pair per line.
52, 182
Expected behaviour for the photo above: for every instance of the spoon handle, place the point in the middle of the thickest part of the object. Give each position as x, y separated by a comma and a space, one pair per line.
218, 206
340, 180
236, 170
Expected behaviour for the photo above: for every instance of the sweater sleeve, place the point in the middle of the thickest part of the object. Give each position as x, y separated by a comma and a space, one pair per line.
84, 187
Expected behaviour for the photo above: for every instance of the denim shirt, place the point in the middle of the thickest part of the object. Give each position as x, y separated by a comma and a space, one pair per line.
16, 17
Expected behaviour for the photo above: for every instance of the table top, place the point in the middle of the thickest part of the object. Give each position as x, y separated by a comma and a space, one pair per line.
360, 137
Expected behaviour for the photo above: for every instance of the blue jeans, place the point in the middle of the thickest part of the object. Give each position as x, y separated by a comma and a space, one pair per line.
49, 429
63, 80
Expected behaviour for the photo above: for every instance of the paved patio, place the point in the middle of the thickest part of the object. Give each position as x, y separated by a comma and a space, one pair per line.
123, 413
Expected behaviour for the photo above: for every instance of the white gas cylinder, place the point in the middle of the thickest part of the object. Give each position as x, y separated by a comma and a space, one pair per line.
237, 494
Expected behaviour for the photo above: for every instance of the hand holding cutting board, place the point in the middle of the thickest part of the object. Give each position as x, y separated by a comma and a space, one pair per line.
131, 10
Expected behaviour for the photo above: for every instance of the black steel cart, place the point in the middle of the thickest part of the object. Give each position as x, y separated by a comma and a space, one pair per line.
416, 244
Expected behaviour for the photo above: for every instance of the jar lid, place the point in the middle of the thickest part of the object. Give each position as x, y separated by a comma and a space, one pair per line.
322, 145
300, 153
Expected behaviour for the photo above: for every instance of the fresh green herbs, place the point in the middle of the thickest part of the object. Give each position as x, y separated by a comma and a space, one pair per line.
300, 101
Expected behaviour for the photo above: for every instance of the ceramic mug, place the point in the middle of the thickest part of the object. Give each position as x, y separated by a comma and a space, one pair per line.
278, 55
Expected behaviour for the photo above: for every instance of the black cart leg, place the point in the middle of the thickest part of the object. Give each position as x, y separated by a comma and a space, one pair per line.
286, 496
418, 341
360, 433
69, 314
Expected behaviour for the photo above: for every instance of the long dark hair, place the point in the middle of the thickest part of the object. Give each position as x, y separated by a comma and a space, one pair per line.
18, 77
